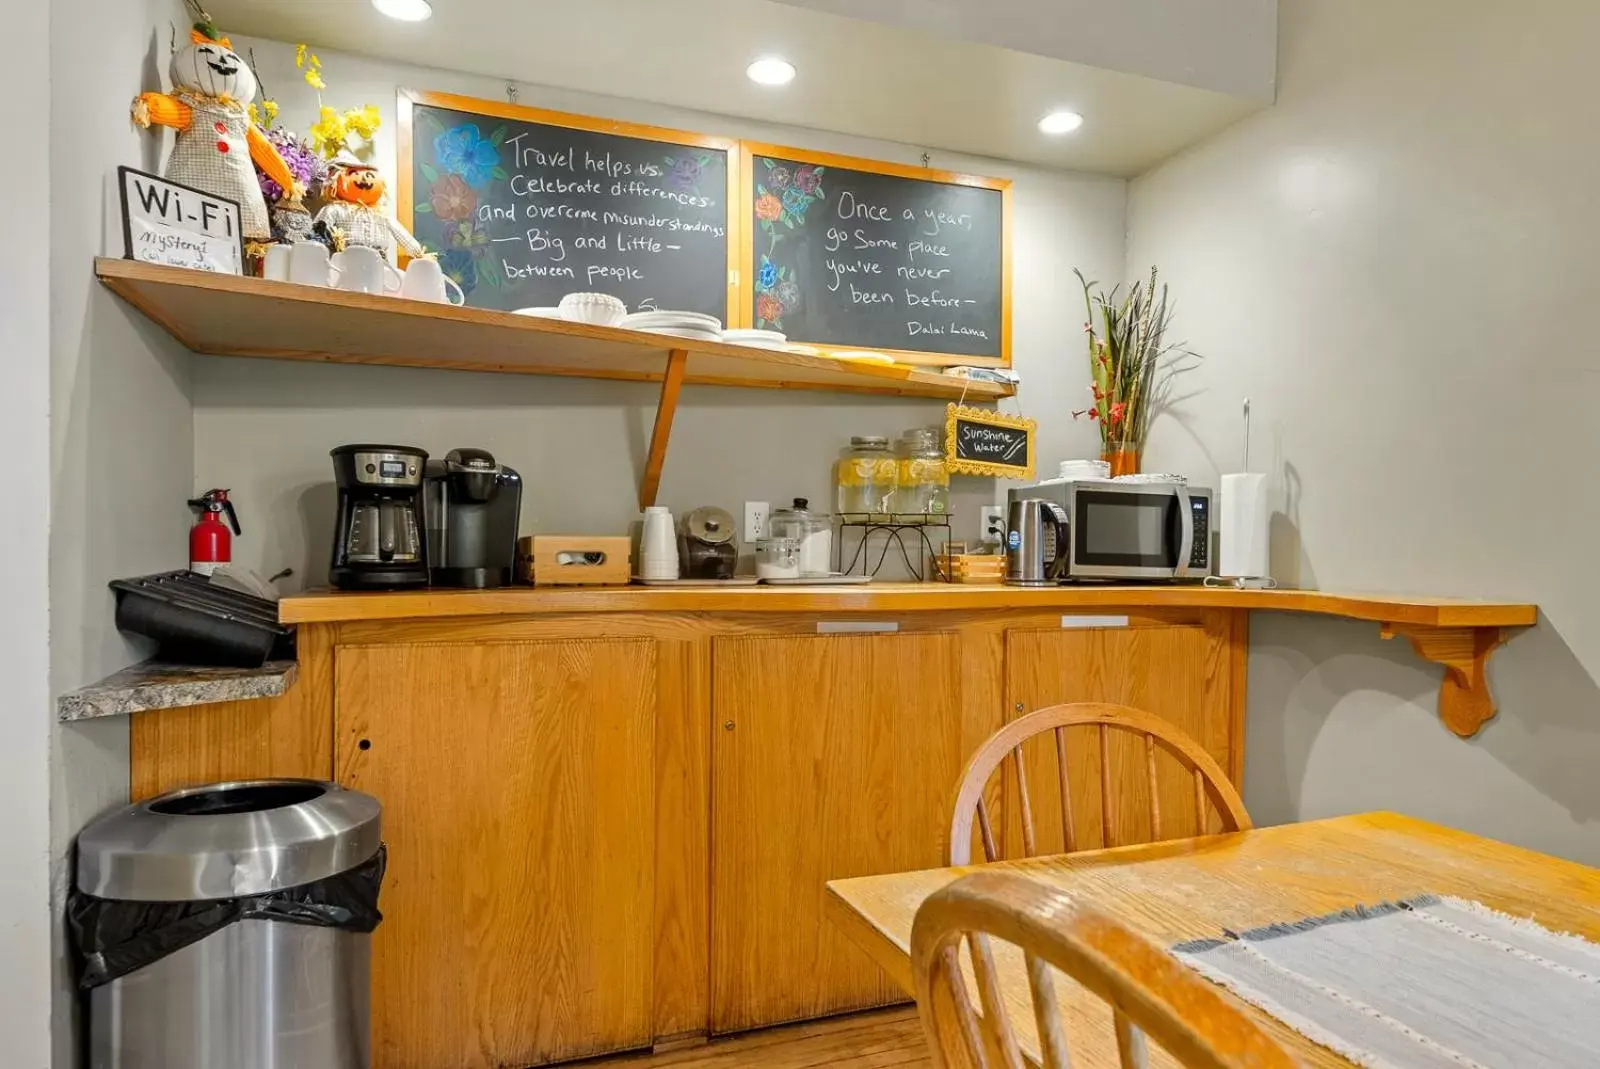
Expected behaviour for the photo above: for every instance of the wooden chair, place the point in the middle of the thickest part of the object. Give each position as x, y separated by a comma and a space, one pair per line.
1210, 782
1149, 991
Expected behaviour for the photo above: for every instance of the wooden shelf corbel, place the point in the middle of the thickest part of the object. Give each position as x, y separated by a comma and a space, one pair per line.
1464, 699
671, 386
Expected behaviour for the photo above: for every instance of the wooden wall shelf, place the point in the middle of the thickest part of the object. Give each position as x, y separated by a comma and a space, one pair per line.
229, 315
232, 315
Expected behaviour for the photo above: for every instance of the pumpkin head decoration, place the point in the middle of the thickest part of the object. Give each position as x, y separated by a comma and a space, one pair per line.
218, 147
354, 215
208, 66
359, 184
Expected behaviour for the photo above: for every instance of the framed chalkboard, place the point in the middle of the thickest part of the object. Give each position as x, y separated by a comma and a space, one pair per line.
851, 253
525, 205
980, 442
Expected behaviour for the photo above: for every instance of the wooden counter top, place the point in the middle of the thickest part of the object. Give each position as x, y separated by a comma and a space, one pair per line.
333, 607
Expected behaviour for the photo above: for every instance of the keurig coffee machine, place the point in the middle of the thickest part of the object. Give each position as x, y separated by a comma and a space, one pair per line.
472, 507
379, 541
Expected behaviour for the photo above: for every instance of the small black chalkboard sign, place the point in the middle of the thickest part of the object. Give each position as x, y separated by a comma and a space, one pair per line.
980, 442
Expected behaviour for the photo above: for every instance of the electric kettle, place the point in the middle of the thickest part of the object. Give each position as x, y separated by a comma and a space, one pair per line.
1037, 546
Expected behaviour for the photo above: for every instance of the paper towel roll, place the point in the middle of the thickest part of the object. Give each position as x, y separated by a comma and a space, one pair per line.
1245, 517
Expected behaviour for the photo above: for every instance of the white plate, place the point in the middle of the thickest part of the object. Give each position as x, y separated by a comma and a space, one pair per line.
803, 350
540, 313
691, 333
745, 336
836, 579
640, 320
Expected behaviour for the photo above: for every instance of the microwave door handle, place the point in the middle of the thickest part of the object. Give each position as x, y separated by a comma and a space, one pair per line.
1059, 568
1185, 534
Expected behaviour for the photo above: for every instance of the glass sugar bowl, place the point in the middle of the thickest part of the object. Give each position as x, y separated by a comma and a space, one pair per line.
811, 531
865, 478
922, 477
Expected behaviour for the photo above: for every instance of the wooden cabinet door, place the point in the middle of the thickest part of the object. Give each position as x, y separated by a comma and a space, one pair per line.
1180, 673
516, 781
833, 756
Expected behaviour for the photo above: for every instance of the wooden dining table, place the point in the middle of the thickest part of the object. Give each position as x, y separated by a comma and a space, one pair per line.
1188, 889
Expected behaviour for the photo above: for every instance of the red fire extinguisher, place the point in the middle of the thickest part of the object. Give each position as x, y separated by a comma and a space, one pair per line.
210, 544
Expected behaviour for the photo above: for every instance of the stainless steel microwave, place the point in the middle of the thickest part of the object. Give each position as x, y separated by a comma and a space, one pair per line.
1120, 530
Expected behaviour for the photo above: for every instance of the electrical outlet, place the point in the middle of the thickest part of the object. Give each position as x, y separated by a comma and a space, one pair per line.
755, 521
992, 525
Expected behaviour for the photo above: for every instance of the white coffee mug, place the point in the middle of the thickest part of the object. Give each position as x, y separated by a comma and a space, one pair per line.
276, 264
361, 270
308, 263
425, 280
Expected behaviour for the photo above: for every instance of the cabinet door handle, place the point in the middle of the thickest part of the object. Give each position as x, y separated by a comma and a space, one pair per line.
857, 627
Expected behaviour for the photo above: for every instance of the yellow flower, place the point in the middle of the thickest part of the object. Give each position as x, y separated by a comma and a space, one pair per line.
363, 121
271, 108
328, 133
314, 79
255, 116
315, 62
299, 55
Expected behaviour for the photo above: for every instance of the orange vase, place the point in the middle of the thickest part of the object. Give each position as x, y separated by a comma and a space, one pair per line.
1124, 458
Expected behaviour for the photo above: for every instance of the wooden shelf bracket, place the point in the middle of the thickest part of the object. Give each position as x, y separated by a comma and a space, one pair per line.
671, 386
1464, 699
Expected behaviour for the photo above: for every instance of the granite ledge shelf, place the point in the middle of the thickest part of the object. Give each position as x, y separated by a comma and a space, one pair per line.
158, 685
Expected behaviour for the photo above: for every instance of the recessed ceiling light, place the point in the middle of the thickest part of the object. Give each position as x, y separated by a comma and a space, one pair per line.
404, 10
1061, 122
771, 70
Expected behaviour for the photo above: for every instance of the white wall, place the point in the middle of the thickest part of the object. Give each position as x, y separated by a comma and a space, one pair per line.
1396, 263
121, 444
25, 952
264, 428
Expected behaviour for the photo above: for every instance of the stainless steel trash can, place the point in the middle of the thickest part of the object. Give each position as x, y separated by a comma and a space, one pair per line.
253, 993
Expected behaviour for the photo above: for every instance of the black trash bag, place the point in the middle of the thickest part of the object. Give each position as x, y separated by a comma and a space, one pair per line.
113, 937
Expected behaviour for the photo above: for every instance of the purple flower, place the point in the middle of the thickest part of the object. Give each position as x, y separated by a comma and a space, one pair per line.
685, 173
808, 178
309, 169
778, 178
464, 151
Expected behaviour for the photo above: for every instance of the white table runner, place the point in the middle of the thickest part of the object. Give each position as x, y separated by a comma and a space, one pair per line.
1428, 983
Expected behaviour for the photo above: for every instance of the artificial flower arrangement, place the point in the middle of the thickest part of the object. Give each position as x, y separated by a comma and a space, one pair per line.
1131, 365
330, 162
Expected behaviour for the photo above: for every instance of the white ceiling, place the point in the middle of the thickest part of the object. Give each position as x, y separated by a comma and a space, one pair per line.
1227, 45
855, 77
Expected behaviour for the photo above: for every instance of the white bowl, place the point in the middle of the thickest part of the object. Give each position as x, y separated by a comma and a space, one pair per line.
599, 309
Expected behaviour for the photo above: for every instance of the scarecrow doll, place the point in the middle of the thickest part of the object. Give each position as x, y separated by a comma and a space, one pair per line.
353, 213
216, 139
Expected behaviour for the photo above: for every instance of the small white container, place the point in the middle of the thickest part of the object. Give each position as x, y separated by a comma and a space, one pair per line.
598, 309
778, 558
658, 544
1084, 469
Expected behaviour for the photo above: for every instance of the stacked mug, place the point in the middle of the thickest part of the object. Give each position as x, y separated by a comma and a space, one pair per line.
658, 545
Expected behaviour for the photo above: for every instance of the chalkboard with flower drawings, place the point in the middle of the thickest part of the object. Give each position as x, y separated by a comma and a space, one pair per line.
851, 253
523, 205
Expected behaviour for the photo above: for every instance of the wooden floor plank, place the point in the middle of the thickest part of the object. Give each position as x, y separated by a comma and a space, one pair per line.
891, 1039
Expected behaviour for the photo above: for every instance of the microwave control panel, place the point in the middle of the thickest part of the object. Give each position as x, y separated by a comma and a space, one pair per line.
1200, 514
